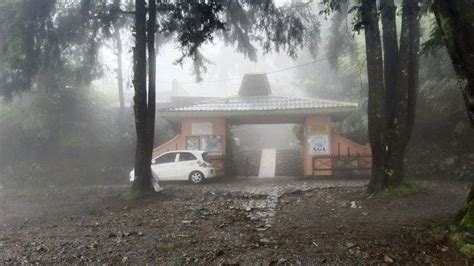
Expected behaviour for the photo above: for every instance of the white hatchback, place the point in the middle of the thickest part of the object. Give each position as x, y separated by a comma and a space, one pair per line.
181, 165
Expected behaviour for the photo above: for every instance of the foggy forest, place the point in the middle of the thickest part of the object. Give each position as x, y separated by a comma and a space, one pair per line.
237, 132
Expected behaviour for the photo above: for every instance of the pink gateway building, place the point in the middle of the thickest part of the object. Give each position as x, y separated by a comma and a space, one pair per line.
204, 125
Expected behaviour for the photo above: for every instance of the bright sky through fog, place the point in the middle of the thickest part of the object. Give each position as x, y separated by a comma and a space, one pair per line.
227, 64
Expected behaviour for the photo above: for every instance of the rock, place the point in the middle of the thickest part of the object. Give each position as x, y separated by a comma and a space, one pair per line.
187, 221
265, 241
248, 208
444, 249
350, 245
450, 160
124, 259
387, 259
41, 249
140, 234
281, 261
112, 235
219, 253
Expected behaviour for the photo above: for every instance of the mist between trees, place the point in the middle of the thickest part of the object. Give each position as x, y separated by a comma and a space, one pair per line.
61, 104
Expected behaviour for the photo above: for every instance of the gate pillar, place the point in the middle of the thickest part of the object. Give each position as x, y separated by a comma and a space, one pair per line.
317, 141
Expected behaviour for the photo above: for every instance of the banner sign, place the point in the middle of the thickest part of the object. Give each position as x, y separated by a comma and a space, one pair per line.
199, 129
318, 144
316, 129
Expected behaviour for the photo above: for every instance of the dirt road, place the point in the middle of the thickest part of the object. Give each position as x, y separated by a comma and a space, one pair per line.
239, 221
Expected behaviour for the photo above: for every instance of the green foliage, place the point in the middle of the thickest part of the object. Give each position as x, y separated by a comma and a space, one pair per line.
454, 234
70, 137
405, 188
467, 250
456, 238
437, 233
298, 131
47, 45
467, 221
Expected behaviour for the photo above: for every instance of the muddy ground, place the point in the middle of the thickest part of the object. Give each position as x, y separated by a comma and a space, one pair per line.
230, 222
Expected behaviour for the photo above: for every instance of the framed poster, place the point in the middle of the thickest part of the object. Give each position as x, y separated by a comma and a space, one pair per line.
199, 129
192, 143
212, 144
318, 144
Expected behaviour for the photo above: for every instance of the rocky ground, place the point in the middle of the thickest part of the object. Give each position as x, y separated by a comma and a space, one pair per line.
230, 222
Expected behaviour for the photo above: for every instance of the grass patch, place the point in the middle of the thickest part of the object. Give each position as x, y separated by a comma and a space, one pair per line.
467, 250
402, 189
467, 221
433, 235
457, 239
454, 235
134, 193
437, 233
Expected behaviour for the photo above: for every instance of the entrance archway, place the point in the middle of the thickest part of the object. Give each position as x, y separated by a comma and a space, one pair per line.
205, 126
266, 150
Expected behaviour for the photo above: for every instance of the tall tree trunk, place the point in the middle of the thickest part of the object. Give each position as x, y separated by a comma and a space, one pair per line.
390, 52
401, 125
375, 106
413, 67
391, 65
455, 19
142, 182
118, 41
151, 25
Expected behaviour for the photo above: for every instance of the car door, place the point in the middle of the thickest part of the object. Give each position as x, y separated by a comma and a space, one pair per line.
186, 163
163, 166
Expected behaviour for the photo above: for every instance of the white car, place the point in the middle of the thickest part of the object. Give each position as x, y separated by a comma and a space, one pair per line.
181, 165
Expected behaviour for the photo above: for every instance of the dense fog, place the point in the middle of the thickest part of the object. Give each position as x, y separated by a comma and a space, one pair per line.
358, 149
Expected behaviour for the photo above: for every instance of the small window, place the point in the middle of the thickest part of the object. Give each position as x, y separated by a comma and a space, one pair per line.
167, 158
205, 157
186, 156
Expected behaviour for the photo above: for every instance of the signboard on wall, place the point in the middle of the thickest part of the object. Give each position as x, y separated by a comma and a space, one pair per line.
212, 144
318, 129
318, 144
199, 129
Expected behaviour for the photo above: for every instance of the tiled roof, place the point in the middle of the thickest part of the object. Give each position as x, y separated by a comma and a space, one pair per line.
262, 103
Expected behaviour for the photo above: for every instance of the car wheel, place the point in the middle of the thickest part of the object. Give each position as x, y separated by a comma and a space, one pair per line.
196, 177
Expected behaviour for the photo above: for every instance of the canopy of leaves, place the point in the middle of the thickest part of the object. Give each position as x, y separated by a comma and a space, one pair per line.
46, 45
242, 24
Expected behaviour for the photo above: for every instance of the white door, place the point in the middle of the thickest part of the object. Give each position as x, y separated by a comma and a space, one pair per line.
164, 166
185, 164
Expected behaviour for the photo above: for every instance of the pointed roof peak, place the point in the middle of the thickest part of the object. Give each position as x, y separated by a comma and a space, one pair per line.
255, 84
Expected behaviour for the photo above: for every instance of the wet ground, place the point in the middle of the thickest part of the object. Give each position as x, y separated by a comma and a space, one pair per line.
229, 221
